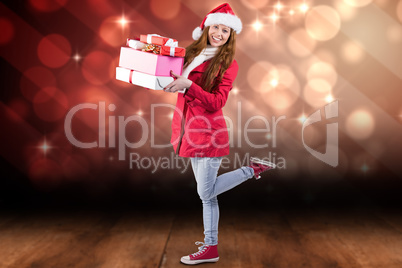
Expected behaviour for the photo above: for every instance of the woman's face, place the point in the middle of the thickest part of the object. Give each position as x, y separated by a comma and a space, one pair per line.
218, 35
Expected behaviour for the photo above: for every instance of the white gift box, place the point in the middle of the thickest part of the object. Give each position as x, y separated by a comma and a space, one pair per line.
142, 79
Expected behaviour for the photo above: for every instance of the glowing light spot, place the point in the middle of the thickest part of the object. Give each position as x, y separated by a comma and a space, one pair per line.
322, 23
140, 113
171, 115
274, 82
257, 25
111, 33
269, 136
360, 124
357, 3
77, 57
123, 21
303, 8
278, 6
291, 12
302, 118
329, 98
235, 90
45, 146
274, 17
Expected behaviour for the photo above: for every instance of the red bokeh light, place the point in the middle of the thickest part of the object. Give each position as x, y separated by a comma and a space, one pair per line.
20, 107
47, 5
95, 67
102, 7
7, 31
54, 50
50, 104
34, 79
113, 32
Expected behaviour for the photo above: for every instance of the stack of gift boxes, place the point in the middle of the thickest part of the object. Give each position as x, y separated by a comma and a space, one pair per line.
147, 62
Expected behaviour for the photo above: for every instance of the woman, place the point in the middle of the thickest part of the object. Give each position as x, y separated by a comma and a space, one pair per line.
198, 128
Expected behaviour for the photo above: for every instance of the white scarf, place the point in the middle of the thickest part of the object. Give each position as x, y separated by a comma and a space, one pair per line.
208, 53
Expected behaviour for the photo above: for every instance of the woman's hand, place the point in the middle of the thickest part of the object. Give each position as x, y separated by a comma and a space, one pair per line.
179, 84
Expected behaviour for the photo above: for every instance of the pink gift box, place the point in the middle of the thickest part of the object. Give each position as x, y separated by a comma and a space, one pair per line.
150, 63
142, 79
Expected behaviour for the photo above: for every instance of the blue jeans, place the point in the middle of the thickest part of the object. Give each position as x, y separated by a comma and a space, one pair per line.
209, 186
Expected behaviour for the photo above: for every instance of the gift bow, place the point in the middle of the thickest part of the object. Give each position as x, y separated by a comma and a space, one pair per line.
169, 42
172, 50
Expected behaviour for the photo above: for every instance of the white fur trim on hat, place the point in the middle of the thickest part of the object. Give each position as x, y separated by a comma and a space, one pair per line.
197, 33
226, 19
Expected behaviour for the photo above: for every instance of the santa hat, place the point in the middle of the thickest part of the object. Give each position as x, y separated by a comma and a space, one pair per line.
223, 14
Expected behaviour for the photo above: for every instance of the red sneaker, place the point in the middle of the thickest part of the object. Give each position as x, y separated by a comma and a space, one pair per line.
206, 253
260, 166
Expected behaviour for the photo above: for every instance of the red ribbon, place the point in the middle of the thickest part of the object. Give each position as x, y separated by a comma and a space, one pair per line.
130, 78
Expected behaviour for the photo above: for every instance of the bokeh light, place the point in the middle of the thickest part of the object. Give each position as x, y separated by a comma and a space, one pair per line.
352, 52
357, 3
326, 56
303, 7
394, 33
54, 50
47, 5
102, 7
94, 68
7, 30
257, 26
20, 107
316, 92
346, 12
399, 10
300, 44
256, 74
255, 4
322, 23
324, 71
280, 88
113, 32
50, 104
34, 79
360, 124
165, 10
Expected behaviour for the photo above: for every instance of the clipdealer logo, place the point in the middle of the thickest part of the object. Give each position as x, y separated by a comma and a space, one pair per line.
330, 156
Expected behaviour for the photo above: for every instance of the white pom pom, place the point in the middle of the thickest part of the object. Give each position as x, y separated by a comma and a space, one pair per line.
197, 33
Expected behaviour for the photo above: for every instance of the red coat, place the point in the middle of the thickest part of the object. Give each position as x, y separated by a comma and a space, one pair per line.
198, 126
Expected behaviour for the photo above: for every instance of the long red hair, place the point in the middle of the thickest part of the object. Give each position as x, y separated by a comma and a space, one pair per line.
219, 63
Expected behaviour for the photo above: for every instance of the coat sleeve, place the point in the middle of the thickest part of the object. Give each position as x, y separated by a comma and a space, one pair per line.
214, 101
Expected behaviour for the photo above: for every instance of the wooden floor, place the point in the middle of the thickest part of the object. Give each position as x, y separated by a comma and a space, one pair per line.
308, 237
